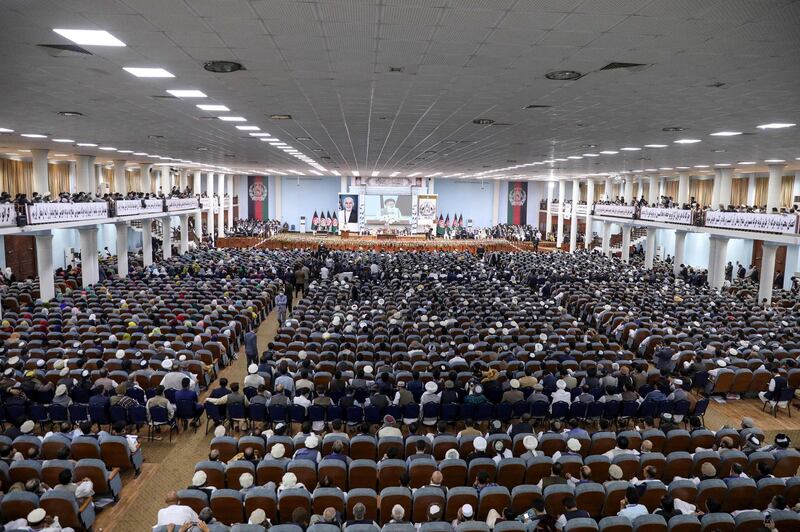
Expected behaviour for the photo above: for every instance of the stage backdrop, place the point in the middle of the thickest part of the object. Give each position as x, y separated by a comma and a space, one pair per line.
257, 197
518, 202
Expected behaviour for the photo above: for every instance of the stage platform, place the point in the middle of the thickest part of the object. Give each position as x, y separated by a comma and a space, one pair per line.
361, 242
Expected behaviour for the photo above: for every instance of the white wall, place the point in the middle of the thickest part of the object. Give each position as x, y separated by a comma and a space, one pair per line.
697, 248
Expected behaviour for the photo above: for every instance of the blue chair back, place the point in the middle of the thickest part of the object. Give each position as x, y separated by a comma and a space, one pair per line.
78, 413
236, 411
297, 413
449, 412
680, 408
484, 412
213, 412
257, 412
333, 412
372, 414
700, 407
184, 410
648, 409
504, 411
137, 415
629, 409
355, 414
467, 411
411, 410
611, 409
540, 409
117, 413
159, 415
579, 410
277, 413
98, 415
430, 410
560, 410
136, 393
315, 413
37, 413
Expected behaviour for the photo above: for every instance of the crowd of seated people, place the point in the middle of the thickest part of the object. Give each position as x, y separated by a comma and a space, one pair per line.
493, 367
668, 202
126, 353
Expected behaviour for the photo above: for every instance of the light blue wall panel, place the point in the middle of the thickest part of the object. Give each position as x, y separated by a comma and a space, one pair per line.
472, 199
304, 196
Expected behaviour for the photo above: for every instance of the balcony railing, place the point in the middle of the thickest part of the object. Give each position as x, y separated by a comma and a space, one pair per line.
181, 204
45, 213
132, 207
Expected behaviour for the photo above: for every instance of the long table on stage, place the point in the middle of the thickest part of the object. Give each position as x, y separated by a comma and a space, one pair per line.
355, 242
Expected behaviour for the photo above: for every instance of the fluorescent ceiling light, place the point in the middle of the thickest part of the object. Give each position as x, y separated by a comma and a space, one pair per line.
746, 162
574, 157
248, 128
232, 118
726, 133
586, 155
774, 161
262, 134
154, 156
687, 141
335, 172
187, 93
87, 144
415, 174
140, 153
356, 173
90, 37
148, 72
630, 149
6, 130
394, 174
125, 151
436, 174
34, 135
64, 140
701, 166
561, 160
775, 125
211, 107
655, 145
107, 148
682, 167
721, 164
609, 152
666, 168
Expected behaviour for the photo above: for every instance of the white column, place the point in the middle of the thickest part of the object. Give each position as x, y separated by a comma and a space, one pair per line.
184, 245
587, 241
715, 189
767, 272
144, 177
683, 188
184, 180
84, 168
548, 225
628, 190
230, 206
496, 203
751, 189
639, 187
431, 185
562, 191
147, 242
44, 265
90, 270
120, 183
221, 216
680, 246
650, 248
343, 185
725, 185
607, 193
198, 215
122, 249
774, 186
719, 252
278, 197
210, 213
166, 237
626, 243
97, 179
41, 182
652, 192
791, 268
573, 223
662, 186
607, 239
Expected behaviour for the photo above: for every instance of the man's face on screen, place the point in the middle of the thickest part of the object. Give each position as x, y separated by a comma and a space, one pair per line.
348, 204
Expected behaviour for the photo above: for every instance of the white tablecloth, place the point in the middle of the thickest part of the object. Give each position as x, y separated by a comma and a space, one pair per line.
674, 216
43, 213
616, 211
748, 221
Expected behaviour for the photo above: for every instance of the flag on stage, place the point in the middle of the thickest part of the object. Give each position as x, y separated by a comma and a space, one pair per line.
257, 197
440, 226
314, 221
518, 202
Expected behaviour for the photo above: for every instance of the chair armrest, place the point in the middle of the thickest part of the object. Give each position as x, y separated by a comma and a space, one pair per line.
114, 473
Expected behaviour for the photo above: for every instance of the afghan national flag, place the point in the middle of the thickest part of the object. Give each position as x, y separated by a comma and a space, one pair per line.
447, 222
328, 220
334, 224
440, 226
314, 221
257, 200
461, 220
518, 202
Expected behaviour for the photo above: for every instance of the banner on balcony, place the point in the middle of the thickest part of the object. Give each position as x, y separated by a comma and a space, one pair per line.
518, 202
257, 198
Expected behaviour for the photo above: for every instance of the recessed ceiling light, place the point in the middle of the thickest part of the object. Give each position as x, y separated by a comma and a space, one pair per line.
375, 173
64, 140
187, 93
609, 152
655, 145
726, 133
140, 72
303, 139
673, 129
774, 161
87, 144
90, 37
415, 174
125, 151
687, 141
561, 160
701, 166
280, 117
591, 155
212, 107
260, 134
262, 139
747, 162
140, 153
34, 135
222, 67
483, 121
232, 118
394, 174
356, 173
60, 155
248, 128
630, 149
682, 167
69, 114
107, 148
666, 168
6, 130
775, 125
574, 157
721, 164
563, 75
651, 169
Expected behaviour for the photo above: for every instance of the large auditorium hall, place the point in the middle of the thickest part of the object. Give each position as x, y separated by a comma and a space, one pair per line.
400, 266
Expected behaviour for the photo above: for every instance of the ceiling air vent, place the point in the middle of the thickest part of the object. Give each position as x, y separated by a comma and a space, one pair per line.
57, 50
483, 121
616, 65
163, 97
535, 106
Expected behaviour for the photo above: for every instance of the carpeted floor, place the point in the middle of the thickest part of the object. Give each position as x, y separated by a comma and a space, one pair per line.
169, 466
